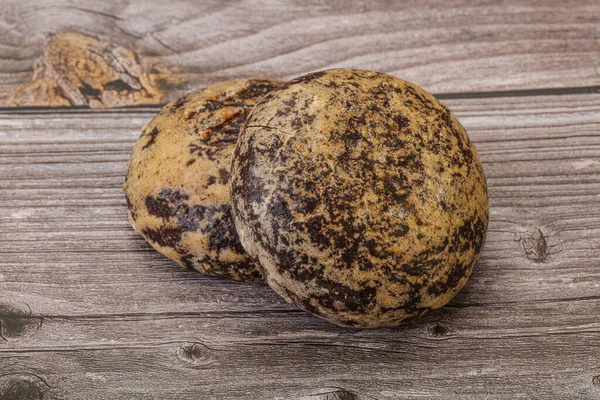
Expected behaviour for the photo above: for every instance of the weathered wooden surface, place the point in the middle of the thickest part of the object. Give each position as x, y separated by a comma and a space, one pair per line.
88, 307
89, 310
133, 52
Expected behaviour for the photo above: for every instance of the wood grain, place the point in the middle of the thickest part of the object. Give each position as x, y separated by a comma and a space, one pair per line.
129, 52
87, 307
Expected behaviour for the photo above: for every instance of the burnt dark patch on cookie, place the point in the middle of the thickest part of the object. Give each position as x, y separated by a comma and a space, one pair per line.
178, 104
187, 260
411, 305
213, 105
357, 301
419, 267
437, 289
426, 103
316, 227
212, 149
303, 79
224, 175
248, 183
291, 102
221, 230
151, 138
191, 115
130, 207
396, 190
165, 204
215, 222
308, 204
244, 271
469, 236
165, 236
306, 304
401, 230
430, 256
332, 84
374, 108
257, 88
300, 266
282, 216
401, 121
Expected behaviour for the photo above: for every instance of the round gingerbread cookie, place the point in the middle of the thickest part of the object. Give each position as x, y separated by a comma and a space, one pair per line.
361, 196
177, 179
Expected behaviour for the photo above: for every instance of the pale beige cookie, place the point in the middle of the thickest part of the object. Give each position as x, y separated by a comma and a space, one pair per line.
177, 179
361, 196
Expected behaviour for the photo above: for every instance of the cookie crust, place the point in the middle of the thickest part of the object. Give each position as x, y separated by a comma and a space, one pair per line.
177, 182
361, 196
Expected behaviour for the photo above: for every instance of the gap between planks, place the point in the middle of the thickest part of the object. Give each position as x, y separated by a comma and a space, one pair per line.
440, 96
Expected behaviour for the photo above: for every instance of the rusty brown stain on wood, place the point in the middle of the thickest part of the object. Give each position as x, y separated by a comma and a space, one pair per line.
80, 70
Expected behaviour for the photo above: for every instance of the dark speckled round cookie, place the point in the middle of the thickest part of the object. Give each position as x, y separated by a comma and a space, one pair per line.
361, 196
177, 179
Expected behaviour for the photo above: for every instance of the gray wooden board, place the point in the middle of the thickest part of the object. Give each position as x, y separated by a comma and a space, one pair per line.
444, 46
89, 310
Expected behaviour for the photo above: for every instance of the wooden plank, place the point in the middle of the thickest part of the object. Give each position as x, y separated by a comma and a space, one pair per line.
107, 54
61, 178
87, 308
461, 352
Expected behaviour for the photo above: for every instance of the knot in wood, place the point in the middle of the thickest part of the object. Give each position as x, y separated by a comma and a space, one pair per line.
335, 394
22, 387
15, 323
196, 354
535, 246
439, 330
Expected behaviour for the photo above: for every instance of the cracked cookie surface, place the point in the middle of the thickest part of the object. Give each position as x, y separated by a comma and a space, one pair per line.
177, 183
361, 196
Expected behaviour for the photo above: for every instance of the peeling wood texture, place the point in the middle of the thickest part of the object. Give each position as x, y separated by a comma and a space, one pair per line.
89, 310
